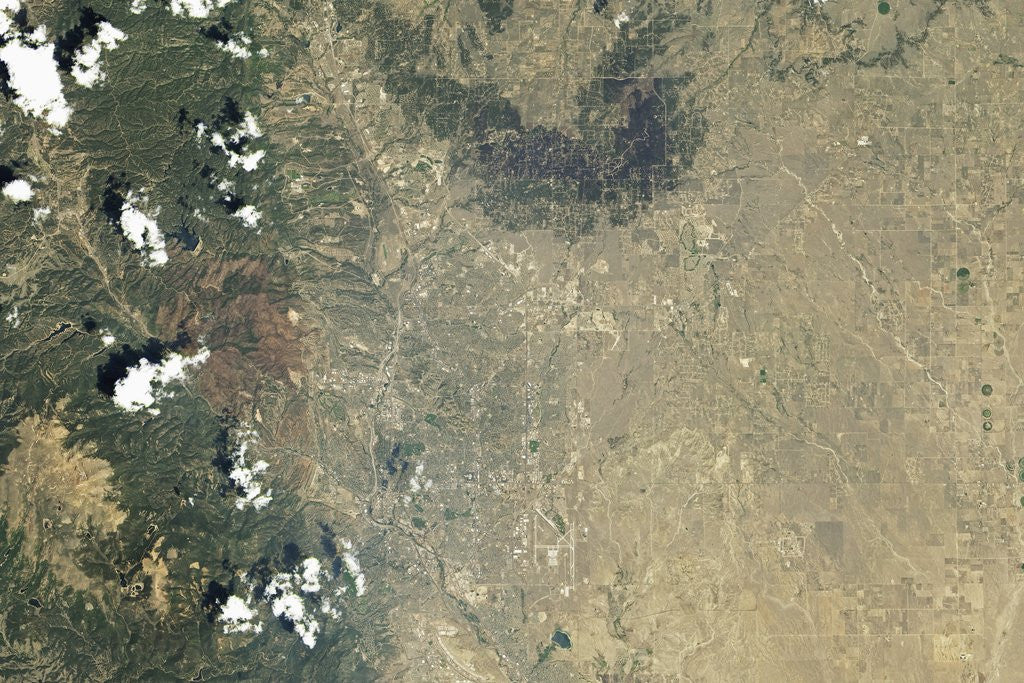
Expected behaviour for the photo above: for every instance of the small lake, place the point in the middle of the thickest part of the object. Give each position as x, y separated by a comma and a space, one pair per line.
561, 639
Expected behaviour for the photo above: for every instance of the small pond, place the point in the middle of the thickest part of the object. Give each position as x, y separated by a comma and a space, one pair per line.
561, 639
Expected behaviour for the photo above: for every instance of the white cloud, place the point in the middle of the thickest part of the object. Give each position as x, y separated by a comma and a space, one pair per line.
287, 602
32, 70
18, 190
13, 317
414, 482
142, 230
327, 608
248, 128
288, 595
249, 215
249, 161
138, 6
34, 77
145, 383
237, 46
86, 69
8, 8
196, 9
237, 617
352, 564
310, 575
246, 478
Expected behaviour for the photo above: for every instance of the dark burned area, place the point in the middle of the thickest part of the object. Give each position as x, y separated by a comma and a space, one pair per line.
637, 135
496, 12
635, 158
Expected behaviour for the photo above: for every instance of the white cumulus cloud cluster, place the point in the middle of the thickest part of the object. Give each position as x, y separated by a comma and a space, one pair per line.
238, 617
14, 318
86, 69
246, 478
294, 596
352, 565
238, 46
142, 230
415, 485
285, 596
146, 382
196, 9
248, 215
233, 145
32, 70
18, 190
